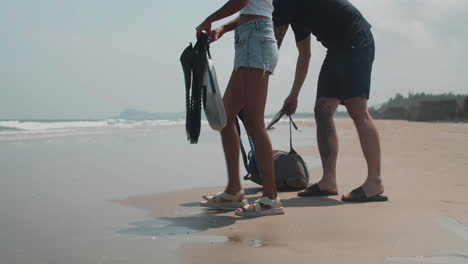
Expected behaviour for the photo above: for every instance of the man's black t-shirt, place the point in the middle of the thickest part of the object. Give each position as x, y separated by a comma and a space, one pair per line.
333, 22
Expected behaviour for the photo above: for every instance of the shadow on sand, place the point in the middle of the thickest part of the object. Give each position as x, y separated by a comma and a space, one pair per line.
207, 218
311, 202
169, 226
292, 202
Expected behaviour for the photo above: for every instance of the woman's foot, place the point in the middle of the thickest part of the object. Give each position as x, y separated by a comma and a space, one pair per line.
224, 200
261, 207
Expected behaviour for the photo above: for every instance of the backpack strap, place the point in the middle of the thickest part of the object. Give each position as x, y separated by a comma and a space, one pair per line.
245, 158
208, 53
291, 122
244, 154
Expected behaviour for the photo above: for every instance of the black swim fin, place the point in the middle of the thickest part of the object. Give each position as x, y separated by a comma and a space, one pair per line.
194, 63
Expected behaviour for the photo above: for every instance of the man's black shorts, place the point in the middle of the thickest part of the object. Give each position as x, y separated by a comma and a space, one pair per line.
346, 71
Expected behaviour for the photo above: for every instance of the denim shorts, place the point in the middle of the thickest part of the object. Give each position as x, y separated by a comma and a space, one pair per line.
255, 45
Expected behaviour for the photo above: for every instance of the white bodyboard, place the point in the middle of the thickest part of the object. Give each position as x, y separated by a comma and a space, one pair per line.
214, 106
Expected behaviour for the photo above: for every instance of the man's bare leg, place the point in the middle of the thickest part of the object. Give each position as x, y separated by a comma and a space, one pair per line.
370, 144
327, 141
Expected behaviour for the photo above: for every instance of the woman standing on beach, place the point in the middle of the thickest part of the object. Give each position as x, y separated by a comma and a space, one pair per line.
256, 54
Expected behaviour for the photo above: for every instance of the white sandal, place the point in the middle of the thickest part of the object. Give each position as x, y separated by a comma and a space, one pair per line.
256, 210
223, 200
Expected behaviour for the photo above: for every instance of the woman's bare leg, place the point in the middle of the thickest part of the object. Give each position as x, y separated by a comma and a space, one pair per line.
233, 103
255, 90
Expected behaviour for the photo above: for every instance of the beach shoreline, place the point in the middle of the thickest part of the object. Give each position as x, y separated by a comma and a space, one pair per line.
132, 196
425, 175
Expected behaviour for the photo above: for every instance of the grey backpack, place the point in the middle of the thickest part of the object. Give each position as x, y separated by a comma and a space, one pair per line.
290, 169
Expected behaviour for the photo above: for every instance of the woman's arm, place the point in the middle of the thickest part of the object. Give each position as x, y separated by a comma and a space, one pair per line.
217, 33
231, 25
230, 8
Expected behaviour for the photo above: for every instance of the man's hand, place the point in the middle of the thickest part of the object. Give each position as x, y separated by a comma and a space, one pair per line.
280, 31
290, 105
204, 26
216, 33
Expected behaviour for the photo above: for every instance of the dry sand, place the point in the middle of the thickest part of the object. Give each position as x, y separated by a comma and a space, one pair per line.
425, 172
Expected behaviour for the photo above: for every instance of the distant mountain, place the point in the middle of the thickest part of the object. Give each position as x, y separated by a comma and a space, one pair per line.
134, 114
296, 115
306, 115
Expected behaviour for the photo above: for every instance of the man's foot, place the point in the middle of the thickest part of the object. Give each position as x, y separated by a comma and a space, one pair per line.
373, 188
314, 190
320, 188
368, 192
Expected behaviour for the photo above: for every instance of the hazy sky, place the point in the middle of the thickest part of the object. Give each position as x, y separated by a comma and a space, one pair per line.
94, 58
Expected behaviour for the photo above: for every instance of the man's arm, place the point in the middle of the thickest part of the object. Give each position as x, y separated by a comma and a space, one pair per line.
302, 65
280, 32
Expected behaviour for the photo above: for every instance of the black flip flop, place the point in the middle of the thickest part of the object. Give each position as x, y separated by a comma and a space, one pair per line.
314, 191
359, 196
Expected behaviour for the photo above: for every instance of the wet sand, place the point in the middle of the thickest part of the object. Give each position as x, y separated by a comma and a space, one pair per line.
425, 172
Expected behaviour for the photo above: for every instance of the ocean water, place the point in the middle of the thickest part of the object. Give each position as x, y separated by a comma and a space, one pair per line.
59, 178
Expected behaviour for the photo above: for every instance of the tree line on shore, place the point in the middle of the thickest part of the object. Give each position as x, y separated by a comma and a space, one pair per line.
424, 107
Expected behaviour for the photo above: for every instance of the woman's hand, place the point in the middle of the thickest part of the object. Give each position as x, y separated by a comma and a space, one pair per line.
290, 105
204, 26
216, 34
